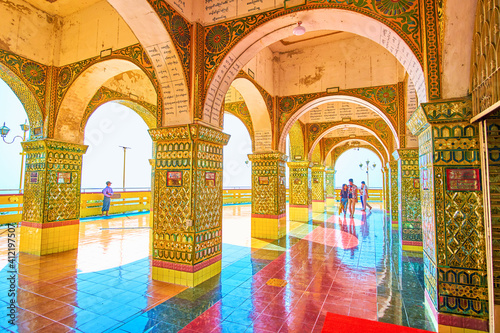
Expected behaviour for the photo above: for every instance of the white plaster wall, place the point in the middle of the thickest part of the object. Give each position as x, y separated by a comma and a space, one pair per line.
27, 31
351, 62
262, 67
457, 47
89, 31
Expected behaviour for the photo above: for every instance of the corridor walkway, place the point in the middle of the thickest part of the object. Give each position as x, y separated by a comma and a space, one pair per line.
347, 266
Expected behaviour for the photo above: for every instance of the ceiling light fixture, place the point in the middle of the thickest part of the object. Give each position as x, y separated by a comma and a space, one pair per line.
299, 30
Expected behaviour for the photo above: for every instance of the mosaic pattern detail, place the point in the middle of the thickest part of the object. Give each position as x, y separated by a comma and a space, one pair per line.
485, 74
402, 97
493, 127
463, 291
431, 278
394, 191
268, 183
187, 171
297, 144
433, 49
300, 183
418, 121
26, 97
32, 74
240, 110
268, 98
453, 226
318, 183
330, 183
47, 200
104, 95
288, 105
409, 195
66, 75
393, 8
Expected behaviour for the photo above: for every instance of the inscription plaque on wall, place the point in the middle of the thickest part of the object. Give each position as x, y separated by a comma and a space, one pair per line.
33, 177
264, 180
210, 178
64, 177
463, 180
174, 178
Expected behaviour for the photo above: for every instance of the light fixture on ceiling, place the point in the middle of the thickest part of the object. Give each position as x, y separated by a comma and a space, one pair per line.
299, 30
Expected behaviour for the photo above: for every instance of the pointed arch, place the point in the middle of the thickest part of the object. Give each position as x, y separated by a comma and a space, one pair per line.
297, 142
81, 92
28, 100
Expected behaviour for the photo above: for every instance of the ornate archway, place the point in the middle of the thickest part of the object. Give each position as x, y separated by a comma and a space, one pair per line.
279, 28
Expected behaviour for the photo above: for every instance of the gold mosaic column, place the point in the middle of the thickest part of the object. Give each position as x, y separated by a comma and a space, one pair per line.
268, 195
300, 201
330, 187
51, 208
455, 270
387, 197
187, 203
410, 217
393, 189
318, 189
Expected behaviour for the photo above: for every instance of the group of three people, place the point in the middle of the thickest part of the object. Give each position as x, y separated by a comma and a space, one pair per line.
349, 197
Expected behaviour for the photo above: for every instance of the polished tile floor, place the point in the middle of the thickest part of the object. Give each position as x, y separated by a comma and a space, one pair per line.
348, 266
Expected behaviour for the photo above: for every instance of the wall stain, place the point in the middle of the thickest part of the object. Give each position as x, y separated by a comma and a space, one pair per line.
309, 79
5, 44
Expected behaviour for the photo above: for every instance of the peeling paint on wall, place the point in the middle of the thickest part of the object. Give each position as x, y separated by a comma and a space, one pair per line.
309, 79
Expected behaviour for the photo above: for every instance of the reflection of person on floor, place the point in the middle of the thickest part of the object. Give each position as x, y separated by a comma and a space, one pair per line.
364, 196
353, 197
344, 197
365, 231
352, 231
106, 202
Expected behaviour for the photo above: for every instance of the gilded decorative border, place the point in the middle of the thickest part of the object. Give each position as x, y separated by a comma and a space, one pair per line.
385, 98
220, 38
104, 95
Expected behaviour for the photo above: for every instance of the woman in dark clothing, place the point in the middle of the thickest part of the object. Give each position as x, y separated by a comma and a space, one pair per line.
344, 195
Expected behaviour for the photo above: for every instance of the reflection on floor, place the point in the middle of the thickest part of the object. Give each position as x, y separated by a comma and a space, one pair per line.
347, 266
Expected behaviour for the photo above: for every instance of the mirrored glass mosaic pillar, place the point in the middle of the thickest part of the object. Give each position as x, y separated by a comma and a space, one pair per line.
410, 218
393, 191
318, 189
387, 196
330, 187
51, 200
300, 197
268, 195
452, 214
187, 203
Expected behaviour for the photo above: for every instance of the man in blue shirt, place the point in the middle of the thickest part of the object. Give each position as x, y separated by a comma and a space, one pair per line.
108, 193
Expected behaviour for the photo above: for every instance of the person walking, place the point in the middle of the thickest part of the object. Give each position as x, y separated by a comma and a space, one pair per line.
353, 196
364, 196
344, 198
108, 193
